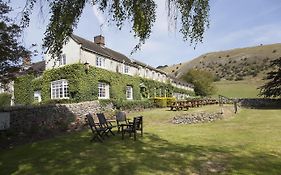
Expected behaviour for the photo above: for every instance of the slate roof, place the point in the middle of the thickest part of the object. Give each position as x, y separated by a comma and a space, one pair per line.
38, 67
148, 66
109, 53
103, 51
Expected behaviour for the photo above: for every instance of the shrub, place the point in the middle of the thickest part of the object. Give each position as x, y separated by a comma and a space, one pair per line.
162, 102
132, 105
5, 99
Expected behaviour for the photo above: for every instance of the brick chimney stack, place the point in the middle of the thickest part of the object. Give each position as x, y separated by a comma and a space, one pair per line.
99, 40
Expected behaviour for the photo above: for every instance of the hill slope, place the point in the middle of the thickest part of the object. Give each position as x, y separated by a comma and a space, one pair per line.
235, 64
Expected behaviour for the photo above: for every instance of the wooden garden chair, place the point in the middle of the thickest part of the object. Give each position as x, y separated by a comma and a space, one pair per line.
105, 124
136, 125
121, 119
98, 132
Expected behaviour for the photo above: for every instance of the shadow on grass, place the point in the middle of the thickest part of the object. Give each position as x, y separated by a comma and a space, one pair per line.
75, 154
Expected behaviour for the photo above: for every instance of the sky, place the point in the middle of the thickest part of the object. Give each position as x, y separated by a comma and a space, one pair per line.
233, 24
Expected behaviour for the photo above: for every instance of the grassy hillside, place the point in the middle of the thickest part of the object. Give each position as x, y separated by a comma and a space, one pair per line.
240, 71
238, 89
236, 64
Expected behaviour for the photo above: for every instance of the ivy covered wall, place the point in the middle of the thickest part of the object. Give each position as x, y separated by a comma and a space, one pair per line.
83, 86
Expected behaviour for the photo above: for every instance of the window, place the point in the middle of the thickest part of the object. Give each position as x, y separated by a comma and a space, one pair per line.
59, 89
153, 75
37, 96
126, 69
146, 73
112, 66
103, 90
62, 60
2, 88
100, 62
129, 92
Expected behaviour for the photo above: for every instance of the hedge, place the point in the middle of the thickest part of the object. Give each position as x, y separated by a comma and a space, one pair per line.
5, 99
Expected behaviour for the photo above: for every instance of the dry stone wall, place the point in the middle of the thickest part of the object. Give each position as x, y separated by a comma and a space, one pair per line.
197, 118
36, 122
261, 103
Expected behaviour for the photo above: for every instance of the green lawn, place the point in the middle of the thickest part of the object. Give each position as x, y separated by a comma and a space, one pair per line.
247, 143
238, 89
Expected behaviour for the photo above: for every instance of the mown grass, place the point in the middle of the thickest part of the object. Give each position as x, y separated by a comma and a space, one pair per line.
238, 89
245, 143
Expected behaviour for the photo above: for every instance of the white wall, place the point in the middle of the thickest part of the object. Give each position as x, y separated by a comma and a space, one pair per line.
72, 52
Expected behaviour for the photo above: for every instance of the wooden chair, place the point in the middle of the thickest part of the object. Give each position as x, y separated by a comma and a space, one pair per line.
136, 125
121, 119
105, 124
98, 132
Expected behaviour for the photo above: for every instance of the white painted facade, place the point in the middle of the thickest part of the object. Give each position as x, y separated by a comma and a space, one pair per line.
74, 53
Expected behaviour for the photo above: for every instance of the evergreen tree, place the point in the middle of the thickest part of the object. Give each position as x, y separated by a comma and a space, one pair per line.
272, 88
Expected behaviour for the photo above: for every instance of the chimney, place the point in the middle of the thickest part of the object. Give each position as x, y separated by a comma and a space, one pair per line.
99, 40
26, 61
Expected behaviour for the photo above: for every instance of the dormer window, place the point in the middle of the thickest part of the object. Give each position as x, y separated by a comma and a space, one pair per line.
100, 62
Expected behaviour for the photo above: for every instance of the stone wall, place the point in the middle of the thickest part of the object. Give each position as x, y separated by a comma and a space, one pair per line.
36, 122
197, 118
261, 103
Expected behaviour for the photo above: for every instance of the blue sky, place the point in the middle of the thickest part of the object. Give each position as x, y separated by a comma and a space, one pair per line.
233, 24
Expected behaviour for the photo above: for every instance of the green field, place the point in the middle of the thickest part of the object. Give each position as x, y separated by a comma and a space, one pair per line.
238, 89
245, 143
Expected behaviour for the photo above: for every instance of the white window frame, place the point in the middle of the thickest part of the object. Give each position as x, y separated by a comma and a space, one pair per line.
2, 90
153, 75
129, 92
103, 90
100, 61
37, 96
59, 89
62, 60
126, 69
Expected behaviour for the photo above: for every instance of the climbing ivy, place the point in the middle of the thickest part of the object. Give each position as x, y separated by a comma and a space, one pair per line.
24, 89
82, 85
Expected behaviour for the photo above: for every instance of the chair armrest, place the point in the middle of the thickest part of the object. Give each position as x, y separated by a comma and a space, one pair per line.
126, 124
109, 121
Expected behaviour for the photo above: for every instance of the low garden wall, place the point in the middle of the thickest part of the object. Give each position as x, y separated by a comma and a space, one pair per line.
261, 103
197, 118
35, 122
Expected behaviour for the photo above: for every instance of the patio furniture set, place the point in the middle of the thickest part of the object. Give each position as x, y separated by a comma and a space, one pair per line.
103, 128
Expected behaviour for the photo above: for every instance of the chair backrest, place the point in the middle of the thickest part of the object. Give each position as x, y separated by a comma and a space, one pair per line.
137, 122
121, 117
91, 121
102, 120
